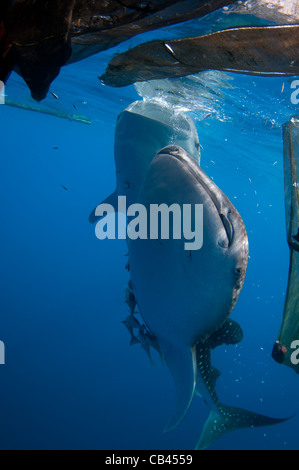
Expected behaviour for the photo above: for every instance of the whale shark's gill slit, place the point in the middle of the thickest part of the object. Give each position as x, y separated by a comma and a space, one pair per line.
228, 228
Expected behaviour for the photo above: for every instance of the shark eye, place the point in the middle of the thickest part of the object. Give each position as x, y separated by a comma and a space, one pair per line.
238, 271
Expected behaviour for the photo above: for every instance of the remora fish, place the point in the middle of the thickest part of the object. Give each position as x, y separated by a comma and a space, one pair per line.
185, 301
142, 130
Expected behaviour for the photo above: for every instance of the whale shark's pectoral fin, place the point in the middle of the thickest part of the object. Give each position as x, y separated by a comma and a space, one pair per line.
230, 419
182, 365
111, 200
229, 333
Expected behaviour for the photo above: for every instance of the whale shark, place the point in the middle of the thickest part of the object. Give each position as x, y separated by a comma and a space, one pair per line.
185, 298
142, 129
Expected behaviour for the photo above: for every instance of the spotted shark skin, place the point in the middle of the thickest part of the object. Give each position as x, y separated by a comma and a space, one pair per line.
222, 419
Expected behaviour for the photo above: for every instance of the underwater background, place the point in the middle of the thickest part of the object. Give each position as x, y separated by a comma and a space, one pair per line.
71, 381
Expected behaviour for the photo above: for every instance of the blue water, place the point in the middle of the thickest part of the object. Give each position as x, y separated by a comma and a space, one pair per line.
71, 381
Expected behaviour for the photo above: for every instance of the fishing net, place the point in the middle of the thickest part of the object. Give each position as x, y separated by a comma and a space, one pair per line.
268, 51
38, 37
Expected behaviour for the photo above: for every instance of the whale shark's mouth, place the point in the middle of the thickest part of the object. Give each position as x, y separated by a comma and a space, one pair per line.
209, 187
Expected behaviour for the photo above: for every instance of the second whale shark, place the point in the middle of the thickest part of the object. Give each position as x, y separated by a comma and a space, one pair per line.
142, 129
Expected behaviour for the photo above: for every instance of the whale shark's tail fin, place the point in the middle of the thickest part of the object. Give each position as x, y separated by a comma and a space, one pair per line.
112, 200
182, 365
230, 419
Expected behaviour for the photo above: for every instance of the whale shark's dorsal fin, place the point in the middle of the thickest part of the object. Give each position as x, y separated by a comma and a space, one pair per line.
112, 200
230, 419
182, 365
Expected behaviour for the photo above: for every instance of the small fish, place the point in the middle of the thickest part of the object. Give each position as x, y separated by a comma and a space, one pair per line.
130, 298
132, 323
63, 187
128, 324
171, 51
153, 342
55, 96
146, 345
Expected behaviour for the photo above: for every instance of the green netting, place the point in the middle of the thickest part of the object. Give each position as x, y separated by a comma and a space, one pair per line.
283, 351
